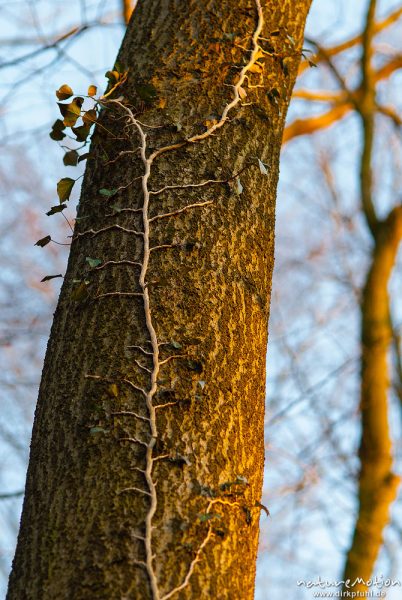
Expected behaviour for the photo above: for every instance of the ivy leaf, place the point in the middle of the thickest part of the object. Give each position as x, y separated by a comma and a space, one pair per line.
71, 112
147, 92
64, 188
57, 135
239, 187
263, 168
90, 117
43, 241
209, 517
273, 95
70, 159
56, 209
286, 63
57, 130
93, 262
118, 67
256, 68
113, 76
80, 292
95, 430
180, 460
49, 277
81, 132
113, 390
92, 90
107, 193
195, 365
176, 345
64, 92
84, 156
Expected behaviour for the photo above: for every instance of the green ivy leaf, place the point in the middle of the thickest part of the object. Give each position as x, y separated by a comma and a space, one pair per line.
70, 159
43, 241
64, 188
107, 193
93, 262
209, 517
49, 277
64, 92
56, 209
95, 430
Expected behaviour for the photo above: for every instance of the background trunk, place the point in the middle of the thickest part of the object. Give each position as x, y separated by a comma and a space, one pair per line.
194, 467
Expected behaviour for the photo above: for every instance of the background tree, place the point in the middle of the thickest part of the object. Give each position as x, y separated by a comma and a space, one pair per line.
338, 287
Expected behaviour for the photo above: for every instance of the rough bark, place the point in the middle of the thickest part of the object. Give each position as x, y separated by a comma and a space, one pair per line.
189, 331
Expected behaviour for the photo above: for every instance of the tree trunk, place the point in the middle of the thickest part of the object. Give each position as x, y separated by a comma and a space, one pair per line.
378, 485
148, 448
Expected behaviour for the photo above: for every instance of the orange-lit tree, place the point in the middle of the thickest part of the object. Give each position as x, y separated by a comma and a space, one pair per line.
147, 449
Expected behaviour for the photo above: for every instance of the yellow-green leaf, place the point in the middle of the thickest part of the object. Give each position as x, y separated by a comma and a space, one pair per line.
90, 117
64, 188
113, 390
80, 292
71, 111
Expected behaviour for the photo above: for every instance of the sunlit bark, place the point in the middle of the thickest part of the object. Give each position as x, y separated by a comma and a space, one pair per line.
147, 452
